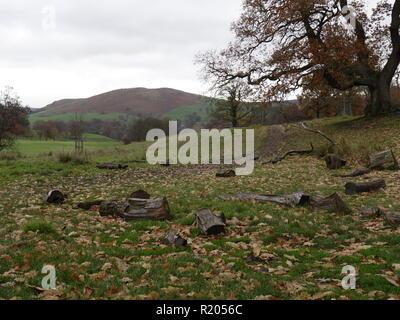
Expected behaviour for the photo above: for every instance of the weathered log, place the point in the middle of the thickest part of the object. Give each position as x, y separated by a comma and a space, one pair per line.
174, 239
89, 205
112, 208
290, 153
296, 199
210, 223
384, 160
157, 209
55, 197
371, 212
226, 174
393, 218
140, 194
112, 166
357, 173
334, 162
361, 187
333, 203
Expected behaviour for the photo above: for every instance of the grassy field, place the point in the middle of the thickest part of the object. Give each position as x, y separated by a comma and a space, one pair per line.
48, 115
92, 142
267, 252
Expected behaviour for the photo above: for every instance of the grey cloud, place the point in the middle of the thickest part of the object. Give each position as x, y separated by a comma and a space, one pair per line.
156, 38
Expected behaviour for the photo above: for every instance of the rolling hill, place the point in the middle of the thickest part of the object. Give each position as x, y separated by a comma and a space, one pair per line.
133, 102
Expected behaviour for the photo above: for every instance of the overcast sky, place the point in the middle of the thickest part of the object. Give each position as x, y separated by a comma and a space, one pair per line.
55, 49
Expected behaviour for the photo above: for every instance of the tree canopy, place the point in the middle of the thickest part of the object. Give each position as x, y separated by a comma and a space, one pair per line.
280, 44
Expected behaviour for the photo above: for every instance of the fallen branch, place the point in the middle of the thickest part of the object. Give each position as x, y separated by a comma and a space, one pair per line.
357, 173
332, 203
291, 200
305, 127
290, 153
112, 166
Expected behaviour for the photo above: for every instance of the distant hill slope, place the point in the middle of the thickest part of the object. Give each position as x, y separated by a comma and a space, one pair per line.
137, 102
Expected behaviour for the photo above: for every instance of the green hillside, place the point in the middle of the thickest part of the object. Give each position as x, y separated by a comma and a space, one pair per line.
180, 113
48, 115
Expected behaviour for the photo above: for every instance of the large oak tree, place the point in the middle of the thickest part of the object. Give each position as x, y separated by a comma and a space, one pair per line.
280, 44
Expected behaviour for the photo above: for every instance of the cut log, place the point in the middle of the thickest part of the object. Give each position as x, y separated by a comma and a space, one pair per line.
157, 209
296, 199
55, 197
371, 212
226, 174
393, 218
333, 203
357, 173
89, 205
361, 187
112, 166
210, 223
384, 160
174, 239
334, 162
112, 208
140, 194
290, 153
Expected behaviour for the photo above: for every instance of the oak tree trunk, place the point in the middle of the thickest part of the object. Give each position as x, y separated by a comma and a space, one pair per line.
380, 100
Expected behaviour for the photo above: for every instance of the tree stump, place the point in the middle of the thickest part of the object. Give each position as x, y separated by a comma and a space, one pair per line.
140, 194
334, 162
393, 218
112, 166
361, 187
384, 160
174, 239
55, 197
226, 174
157, 209
332, 203
210, 223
